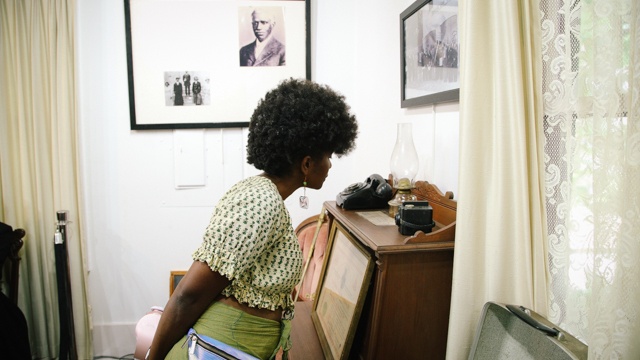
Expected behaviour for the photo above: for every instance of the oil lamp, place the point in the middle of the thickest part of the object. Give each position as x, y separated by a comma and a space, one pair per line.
404, 167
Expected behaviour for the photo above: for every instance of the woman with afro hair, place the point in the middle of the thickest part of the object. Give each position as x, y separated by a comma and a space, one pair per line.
238, 289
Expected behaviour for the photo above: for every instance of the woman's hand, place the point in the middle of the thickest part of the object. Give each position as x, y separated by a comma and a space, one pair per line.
192, 297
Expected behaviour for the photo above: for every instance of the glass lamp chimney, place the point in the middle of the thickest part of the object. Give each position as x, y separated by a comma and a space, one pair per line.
404, 159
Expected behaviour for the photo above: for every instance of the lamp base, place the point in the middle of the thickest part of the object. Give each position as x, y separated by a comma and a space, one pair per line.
401, 196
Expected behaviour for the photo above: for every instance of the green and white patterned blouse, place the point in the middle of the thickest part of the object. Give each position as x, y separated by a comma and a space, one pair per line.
250, 240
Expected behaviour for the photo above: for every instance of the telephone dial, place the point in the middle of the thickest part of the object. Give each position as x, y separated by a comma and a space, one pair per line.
373, 193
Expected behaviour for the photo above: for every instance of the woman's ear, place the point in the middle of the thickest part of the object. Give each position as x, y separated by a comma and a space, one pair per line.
306, 164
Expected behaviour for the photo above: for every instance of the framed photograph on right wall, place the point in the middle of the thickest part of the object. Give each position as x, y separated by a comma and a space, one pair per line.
429, 53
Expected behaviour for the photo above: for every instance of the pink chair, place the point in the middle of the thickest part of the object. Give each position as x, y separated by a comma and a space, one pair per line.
305, 232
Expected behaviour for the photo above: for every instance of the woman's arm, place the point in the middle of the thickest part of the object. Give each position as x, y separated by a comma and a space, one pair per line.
192, 297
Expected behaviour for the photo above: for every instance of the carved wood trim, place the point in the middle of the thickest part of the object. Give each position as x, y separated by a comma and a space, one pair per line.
429, 192
447, 233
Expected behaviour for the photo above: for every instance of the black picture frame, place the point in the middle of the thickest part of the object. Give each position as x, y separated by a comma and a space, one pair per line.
158, 114
429, 48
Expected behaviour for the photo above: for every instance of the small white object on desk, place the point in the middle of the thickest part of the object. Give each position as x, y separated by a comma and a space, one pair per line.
377, 218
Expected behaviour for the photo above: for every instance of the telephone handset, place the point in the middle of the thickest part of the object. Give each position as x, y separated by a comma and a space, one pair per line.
373, 193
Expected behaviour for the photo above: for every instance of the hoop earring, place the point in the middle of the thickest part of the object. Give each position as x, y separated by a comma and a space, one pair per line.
304, 200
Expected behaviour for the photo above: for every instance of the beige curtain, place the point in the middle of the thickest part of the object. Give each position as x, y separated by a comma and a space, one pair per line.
39, 160
500, 250
591, 91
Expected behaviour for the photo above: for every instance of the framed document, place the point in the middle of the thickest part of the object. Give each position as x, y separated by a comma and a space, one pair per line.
207, 63
342, 289
429, 53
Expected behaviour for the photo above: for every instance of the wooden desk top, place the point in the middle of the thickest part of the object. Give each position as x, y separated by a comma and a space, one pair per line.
387, 238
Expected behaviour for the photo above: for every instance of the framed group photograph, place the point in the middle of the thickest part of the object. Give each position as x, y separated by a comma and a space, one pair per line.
207, 63
429, 53
342, 289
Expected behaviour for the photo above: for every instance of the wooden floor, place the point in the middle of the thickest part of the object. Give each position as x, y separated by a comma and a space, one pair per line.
304, 340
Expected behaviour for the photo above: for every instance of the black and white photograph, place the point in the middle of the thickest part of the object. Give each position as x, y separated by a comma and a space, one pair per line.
262, 36
208, 46
430, 52
186, 88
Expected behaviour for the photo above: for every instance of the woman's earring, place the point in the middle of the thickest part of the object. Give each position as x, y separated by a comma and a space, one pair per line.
304, 200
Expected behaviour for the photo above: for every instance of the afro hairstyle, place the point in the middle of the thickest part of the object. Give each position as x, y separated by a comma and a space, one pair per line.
296, 119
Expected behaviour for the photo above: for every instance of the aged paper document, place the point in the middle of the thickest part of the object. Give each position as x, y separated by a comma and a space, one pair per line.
378, 218
341, 287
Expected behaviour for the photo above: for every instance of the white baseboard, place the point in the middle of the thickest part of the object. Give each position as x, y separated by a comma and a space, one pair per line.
114, 340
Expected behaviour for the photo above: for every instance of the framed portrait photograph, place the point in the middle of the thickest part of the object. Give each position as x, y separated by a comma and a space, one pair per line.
342, 289
207, 63
429, 53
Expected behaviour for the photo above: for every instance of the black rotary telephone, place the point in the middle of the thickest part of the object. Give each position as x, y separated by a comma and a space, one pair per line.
373, 193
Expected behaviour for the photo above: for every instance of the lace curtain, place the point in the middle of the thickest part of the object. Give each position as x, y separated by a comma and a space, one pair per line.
591, 92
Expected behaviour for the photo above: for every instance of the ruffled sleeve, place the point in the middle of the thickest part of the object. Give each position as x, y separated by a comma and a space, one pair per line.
243, 225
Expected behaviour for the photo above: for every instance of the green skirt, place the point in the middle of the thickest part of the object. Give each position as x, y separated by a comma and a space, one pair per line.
254, 335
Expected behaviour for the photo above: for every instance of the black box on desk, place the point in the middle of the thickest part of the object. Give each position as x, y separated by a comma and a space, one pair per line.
413, 216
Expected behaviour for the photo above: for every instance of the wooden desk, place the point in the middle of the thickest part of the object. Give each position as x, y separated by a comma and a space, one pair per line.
406, 312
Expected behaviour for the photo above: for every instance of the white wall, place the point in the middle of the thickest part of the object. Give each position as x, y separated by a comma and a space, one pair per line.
139, 228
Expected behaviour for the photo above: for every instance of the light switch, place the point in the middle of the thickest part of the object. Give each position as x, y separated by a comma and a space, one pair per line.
189, 158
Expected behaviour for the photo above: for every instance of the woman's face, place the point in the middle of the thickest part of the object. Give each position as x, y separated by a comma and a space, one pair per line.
318, 171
